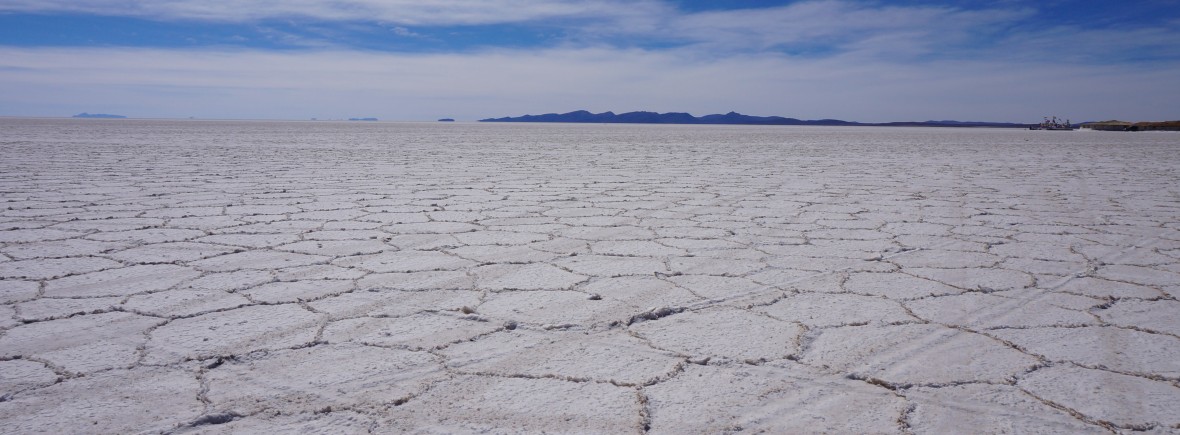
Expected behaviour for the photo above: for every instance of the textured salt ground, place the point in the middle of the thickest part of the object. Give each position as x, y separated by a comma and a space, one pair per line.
249, 277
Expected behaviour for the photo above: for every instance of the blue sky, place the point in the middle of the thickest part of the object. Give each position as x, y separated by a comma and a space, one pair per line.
466, 59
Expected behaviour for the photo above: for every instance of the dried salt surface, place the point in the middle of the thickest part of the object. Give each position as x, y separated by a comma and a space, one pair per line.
93, 357
145, 236
120, 282
1057, 299
239, 330
437, 280
773, 399
61, 248
16, 291
49, 268
621, 232
49, 308
336, 247
318, 271
7, 317
724, 333
613, 357
249, 240
946, 259
340, 376
422, 331
818, 310
253, 277
1112, 348
975, 278
503, 254
896, 286
1127, 402
613, 266
554, 308
257, 260
160, 398
639, 248
502, 238
170, 252
118, 334
36, 235
642, 292
525, 277
1139, 275
983, 311
986, 408
480, 404
318, 422
715, 266
916, 355
727, 290
1108, 289
394, 303
18, 375
295, 291
229, 281
404, 261
1158, 316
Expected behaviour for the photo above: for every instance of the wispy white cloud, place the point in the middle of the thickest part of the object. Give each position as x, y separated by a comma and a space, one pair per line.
1076, 44
405, 12
210, 83
856, 60
838, 24
827, 22
402, 31
814, 27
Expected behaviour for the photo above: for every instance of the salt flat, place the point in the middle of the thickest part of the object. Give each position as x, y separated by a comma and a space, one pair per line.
212, 277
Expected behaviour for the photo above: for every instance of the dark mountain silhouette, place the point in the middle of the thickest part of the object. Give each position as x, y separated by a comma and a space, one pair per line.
583, 116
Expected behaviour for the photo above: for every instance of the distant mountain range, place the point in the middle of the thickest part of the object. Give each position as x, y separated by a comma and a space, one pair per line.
582, 116
98, 115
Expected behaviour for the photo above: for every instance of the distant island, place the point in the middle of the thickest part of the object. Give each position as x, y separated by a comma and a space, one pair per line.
446, 120
1116, 125
98, 115
582, 116
362, 119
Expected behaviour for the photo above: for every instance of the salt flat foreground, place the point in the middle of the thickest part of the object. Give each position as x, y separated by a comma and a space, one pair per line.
207, 277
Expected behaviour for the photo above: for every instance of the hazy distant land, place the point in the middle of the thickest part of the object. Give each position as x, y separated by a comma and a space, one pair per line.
99, 115
583, 116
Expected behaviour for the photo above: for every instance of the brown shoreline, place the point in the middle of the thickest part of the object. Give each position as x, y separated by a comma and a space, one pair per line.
1115, 125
